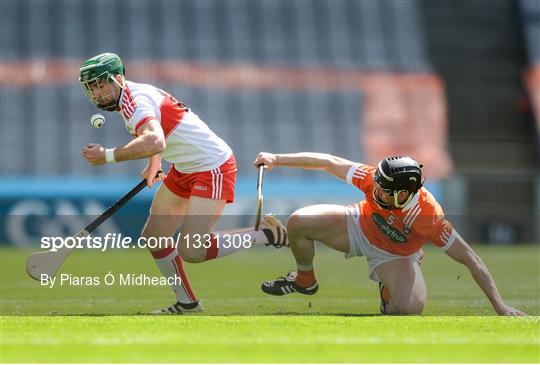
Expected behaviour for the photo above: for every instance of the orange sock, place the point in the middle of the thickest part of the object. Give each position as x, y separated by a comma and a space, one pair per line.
305, 279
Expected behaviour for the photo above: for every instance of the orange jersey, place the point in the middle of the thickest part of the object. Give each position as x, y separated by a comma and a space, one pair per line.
400, 231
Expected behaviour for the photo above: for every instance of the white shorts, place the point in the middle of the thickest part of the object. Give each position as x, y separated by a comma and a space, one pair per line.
360, 246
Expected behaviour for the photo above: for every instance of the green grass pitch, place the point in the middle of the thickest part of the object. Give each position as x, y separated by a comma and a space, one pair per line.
242, 324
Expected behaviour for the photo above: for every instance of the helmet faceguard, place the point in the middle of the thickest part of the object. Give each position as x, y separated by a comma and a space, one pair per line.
98, 71
395, 175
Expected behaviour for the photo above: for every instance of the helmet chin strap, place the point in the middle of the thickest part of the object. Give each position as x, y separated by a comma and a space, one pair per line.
396, 202
395, 194
120, 85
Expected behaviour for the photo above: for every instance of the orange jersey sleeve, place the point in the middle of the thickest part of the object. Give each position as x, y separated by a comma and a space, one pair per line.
433, 225
361, 176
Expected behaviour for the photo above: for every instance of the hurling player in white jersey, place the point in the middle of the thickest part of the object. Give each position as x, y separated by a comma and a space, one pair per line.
197, 187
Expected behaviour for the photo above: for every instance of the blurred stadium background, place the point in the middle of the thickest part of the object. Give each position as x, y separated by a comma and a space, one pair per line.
454, 83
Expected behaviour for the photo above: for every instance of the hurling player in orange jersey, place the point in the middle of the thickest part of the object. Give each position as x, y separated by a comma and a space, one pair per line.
388, 228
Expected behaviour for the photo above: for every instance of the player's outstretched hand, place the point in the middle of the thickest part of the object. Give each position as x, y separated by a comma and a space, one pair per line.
94, 154
507, 310
265, 158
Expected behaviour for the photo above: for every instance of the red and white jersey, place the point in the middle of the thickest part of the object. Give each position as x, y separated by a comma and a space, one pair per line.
190, 145
400, 231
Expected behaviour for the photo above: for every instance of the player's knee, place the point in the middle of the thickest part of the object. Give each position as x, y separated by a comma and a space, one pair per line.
409, 307
192, 255
192, 246
296, 222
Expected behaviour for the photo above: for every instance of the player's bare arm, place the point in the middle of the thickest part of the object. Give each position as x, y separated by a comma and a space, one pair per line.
464, 254
149, 142
336, 166
150, 172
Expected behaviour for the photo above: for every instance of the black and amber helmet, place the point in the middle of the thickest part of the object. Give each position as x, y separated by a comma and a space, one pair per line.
397, 174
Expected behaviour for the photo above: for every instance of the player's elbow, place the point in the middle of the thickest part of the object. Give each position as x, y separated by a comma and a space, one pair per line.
331, 164
330, 161
156, 144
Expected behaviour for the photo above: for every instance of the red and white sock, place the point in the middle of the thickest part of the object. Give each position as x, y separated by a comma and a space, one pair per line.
229, 242
171, 265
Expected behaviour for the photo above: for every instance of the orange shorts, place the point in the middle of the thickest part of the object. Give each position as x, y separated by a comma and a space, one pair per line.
215, 184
